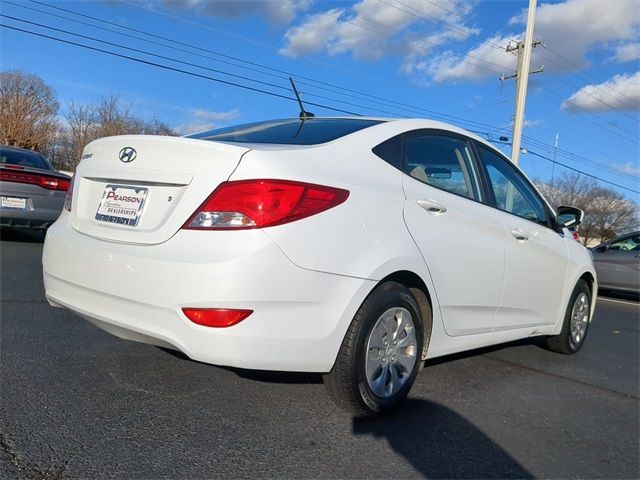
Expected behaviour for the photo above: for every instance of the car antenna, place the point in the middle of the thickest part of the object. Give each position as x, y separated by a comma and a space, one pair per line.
304, 115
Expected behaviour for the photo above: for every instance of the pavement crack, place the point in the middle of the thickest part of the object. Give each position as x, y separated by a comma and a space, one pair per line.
27, 468
128, 385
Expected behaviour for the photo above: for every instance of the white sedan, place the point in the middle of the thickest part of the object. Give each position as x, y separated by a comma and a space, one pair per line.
355, 247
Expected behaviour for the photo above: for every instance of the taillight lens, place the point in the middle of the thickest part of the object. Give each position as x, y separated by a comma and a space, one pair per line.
263, 203
50, 183
216, 317
68, 198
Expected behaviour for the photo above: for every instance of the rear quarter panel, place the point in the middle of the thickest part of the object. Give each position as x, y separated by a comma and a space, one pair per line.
365, 236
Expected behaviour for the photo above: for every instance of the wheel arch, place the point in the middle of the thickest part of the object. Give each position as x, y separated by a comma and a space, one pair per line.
589, 276
420, 291
590, 279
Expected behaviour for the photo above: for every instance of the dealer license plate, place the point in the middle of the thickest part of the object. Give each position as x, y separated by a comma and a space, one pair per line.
13, 202
121, 204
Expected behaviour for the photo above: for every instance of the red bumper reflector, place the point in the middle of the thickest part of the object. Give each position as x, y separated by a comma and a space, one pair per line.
216, 317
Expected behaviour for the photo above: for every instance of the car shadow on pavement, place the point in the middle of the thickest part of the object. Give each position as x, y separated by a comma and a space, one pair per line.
439, 443
20, 235
266, 376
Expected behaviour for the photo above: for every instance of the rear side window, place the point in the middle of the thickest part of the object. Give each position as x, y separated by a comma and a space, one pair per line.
24, 158
288, 132
443, 162
390, 151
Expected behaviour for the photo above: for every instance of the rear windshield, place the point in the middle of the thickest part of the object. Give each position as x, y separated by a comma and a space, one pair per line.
288, 132
23, 158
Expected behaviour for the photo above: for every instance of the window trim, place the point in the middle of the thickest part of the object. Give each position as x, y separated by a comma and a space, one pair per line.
492, 202
436, 132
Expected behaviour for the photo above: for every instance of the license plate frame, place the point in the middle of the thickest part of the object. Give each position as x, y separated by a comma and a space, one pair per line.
122, 204
13, 203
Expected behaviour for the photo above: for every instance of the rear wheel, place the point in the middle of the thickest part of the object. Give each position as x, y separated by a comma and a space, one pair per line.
576, 322
380, 354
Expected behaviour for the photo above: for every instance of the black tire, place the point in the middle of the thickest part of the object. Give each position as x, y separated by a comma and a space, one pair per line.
346, 384
564, 342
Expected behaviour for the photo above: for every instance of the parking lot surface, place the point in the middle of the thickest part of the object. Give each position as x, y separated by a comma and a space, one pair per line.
79, 403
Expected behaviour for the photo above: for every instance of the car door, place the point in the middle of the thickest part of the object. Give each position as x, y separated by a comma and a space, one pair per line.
617, 263
536, 255
461, 239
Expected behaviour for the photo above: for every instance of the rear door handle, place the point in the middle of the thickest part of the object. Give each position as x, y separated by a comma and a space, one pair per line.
432, 206
519, 234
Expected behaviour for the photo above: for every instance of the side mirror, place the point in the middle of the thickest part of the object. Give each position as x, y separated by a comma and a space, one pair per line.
569, 217
602, 248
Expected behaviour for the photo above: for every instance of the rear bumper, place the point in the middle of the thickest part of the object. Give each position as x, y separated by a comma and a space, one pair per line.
43, 207
33, 223
28, 218
137, 292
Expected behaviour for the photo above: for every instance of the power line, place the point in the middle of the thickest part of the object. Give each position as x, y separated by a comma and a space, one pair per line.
360, 95
417, 44
271, 93
581, 172
246, 39
167, 67
585, 74
163, 57
613, 107
423, 15
620, 132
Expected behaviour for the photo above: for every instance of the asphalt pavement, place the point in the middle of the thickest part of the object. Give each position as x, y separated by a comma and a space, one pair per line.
79, 403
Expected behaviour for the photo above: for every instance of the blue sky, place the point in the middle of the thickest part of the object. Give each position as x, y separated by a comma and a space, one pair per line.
425, 58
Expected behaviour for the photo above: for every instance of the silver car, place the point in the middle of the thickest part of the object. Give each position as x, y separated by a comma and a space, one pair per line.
32, 192
617, 263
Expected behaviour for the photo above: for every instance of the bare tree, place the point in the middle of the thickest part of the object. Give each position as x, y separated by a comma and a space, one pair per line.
29, 108
108, 117
81, 129
607, 213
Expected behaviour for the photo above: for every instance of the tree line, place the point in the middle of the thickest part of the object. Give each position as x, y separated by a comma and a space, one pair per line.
30, 119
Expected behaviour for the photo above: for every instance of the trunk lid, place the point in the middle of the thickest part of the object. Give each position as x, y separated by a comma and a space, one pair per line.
146, 197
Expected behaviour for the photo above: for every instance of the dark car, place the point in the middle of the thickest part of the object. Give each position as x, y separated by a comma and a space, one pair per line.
32, 192
617, 263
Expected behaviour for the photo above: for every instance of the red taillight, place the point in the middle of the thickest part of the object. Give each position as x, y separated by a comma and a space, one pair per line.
68, 198
50, 183
263, 203
216, 317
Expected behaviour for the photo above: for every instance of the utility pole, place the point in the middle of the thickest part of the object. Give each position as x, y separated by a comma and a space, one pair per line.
523, 50
555, 151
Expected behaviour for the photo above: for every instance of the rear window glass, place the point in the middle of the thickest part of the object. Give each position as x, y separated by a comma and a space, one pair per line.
288, 132
23, 158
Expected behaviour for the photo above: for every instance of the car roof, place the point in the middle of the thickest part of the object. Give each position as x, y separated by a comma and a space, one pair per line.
19, 149
391, 125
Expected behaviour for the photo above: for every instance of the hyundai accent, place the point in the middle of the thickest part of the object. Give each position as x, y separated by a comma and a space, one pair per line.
353, 247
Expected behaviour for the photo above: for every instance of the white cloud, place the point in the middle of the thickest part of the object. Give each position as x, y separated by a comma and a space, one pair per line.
312, 36
532, 123
371, 29
629, 167
216, 116
627, 53
201, 120
621, 92
275, 11
571, 29
478, 63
